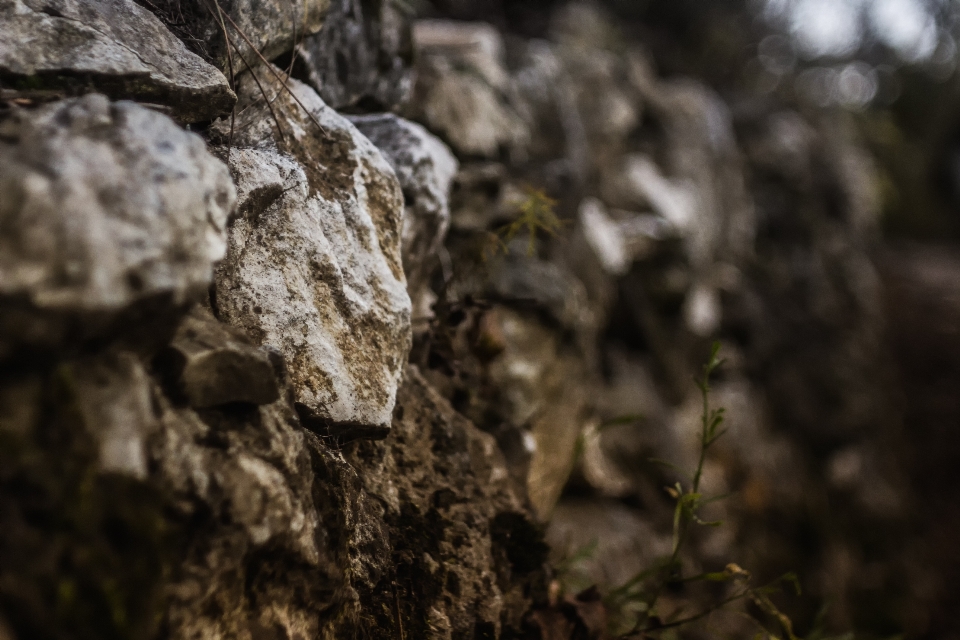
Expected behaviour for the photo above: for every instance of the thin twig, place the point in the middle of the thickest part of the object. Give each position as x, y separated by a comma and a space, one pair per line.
294, 43
396, 596
233, 75
273, 71
276, 120
693, 618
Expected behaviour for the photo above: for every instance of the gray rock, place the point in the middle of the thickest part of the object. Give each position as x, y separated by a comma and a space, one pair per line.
115, 47
526, 279
542, 385
259, 179
273, 27
113, 399
362, 56
462, 89
546, 99
605, 237
105, 209
425, 168
248, 474
216, 364
318, 274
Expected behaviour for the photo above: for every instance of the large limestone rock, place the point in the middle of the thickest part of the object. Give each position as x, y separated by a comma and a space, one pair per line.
115, 47
425, 168
317, 273
107, 210
272, 27
361, 58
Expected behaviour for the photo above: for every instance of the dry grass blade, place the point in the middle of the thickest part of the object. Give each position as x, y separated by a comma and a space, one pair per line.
294, 43
263, 92
272, 70
233, 84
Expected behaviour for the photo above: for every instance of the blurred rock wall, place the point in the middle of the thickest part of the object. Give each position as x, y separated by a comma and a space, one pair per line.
317, 321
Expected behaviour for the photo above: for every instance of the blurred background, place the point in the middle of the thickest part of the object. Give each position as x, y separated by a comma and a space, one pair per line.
779, 175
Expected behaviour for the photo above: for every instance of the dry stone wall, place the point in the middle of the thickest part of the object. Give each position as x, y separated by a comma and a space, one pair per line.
274, 366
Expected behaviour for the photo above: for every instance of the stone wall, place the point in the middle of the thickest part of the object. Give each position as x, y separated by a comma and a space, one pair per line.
273, 364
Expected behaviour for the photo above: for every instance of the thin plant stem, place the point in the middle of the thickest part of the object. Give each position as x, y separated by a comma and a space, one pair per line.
272, 70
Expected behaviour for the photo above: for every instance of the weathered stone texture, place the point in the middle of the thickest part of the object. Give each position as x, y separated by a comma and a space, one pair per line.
70, 47
104, 209
464, 549
272, 27
318, 273
361, 58
425, 168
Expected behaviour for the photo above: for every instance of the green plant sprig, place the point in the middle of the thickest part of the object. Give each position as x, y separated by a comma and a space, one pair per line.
687, 513
537, 212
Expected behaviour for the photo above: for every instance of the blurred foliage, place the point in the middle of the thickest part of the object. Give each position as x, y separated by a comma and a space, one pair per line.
631, 609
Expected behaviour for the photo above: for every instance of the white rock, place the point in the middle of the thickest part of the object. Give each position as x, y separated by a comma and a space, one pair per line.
102, 207
675, 202
702, 310
318, 273
604, 236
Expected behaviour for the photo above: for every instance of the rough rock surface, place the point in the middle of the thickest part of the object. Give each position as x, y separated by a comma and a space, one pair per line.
215, 364
425, 168
115, 47
272, 27
235, 521
189, 452
318, 273
464, 549
107, 210
361, 58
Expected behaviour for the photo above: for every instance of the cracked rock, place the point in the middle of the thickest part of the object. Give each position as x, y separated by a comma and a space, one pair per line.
108, 211
318, 273
71, 47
